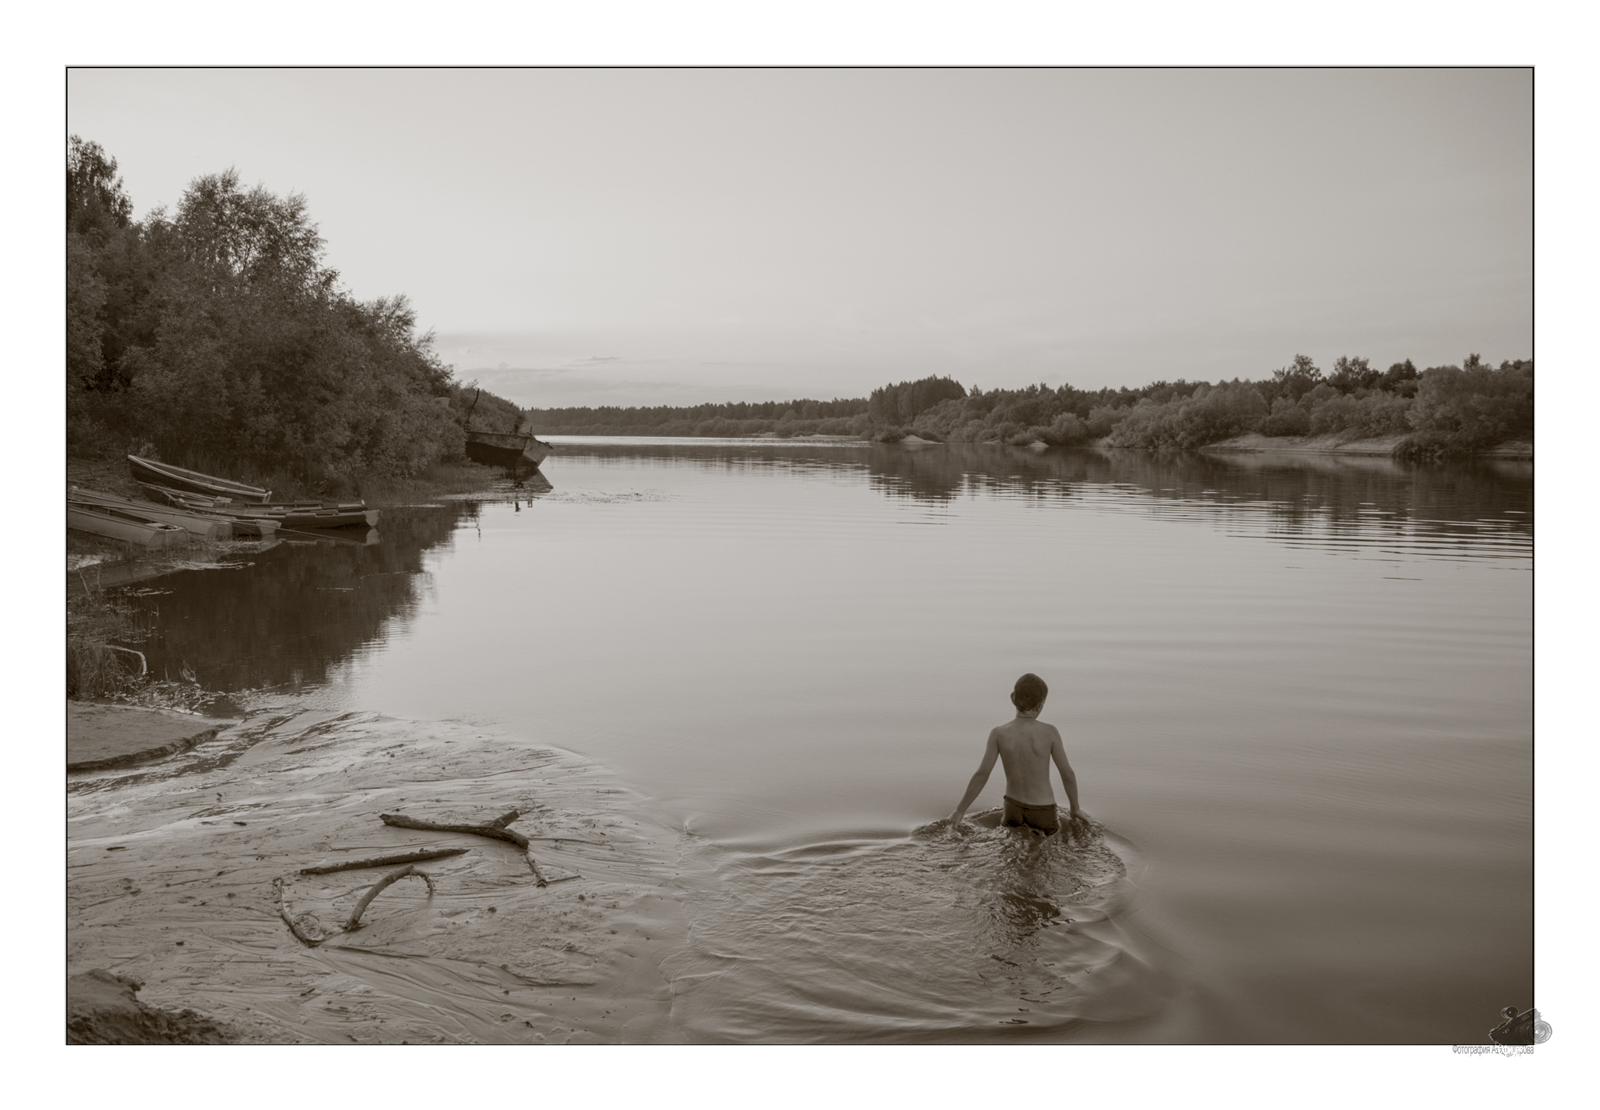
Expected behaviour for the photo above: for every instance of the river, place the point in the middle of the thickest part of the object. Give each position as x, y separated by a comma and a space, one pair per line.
1297, 693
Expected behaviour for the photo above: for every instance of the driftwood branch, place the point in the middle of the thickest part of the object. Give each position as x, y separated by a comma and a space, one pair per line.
283, 911
366, 899
494, 831
385, 861
505, 819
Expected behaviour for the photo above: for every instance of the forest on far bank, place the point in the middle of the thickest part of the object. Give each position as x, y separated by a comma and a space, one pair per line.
1440, 412
214, 336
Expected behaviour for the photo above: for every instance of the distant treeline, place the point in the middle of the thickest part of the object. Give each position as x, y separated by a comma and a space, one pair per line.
1440, 411
744, 418
215, 336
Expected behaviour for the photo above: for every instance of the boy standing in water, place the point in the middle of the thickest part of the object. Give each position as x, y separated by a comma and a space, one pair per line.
1026, 746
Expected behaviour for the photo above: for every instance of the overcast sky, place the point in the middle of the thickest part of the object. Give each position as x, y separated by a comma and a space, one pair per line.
673, 236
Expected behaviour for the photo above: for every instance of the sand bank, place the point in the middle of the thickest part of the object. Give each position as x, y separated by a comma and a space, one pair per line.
102, 736
1339, 444
172, 868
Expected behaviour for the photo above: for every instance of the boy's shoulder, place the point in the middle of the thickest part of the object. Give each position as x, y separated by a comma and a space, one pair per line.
1019, 726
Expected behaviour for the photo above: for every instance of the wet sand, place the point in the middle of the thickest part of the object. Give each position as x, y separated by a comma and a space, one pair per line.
102, 736
172, 869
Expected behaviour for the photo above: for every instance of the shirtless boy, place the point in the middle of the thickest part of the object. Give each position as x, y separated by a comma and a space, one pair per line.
1026, 746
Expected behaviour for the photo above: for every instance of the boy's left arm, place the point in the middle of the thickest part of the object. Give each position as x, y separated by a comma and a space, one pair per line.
1069, 780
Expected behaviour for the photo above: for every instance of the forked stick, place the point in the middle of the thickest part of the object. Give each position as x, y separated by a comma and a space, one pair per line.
495, 831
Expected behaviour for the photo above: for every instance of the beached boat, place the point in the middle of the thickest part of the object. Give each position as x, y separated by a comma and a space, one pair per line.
289, 514
112, 525
176, 477
223, 504
512, 450
205, 526
507, 449
307, 517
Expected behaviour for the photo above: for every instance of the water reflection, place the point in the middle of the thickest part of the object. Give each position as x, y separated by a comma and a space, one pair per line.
304, 607
1284, 496
296, 611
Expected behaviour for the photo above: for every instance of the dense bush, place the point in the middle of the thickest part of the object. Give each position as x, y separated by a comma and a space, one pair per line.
1207, 415
1462, 409
217, 337
1470, 406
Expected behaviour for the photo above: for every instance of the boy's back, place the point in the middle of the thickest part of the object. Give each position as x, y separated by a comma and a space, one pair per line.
1026, 747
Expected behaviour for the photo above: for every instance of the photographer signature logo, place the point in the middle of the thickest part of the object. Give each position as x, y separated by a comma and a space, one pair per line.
1524, 1028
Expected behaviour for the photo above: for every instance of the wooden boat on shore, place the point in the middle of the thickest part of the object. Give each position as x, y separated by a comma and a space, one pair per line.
205, 526
176, 477
288, 514
508, 449
112, 525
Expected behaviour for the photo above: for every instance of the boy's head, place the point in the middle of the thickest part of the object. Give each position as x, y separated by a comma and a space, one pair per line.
1029, 693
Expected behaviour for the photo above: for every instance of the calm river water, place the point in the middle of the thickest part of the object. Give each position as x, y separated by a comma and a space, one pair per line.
1297, 694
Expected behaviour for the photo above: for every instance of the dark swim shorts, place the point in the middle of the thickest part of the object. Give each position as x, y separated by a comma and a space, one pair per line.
1043, 818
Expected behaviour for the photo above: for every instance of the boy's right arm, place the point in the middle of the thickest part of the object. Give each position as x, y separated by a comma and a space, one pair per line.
991, 751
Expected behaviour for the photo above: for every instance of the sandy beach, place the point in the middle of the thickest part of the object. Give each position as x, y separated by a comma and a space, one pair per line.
181, 873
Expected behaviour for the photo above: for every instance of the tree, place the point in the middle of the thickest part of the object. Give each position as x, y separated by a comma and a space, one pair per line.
95, 200
253, 236
1297, 379
1351, 374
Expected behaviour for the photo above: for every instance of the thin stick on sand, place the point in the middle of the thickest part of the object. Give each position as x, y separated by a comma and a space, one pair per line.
385, 861
366, 899
495, 831
283, 912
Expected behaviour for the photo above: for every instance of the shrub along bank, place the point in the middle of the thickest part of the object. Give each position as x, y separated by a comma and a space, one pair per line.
215, 336
1441, 411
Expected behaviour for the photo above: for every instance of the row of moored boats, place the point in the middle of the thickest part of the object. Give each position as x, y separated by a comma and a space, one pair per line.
186, 504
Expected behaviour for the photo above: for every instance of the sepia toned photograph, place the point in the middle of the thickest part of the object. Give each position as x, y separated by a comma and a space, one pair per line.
800, 556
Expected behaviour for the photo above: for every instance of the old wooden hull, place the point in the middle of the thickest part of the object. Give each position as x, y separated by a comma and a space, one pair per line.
198, 524
506, 449
300, 514
102, 523
176, 477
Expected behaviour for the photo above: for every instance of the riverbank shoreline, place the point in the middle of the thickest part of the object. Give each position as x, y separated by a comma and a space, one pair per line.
1250, 443
1338, 444
184, 876
114, 563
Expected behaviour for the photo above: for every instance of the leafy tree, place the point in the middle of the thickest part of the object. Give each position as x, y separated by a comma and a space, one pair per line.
1466, 408
252, 236
95, 198
219, 337
900, 403
1395, 378
1351, 374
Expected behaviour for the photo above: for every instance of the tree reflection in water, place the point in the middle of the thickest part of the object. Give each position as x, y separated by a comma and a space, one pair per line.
1301, 494
299, 611
302, 610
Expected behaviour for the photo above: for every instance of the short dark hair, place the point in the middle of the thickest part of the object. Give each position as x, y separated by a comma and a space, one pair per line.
1029, 693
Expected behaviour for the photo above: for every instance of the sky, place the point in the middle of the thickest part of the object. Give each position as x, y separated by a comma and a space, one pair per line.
672, 236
